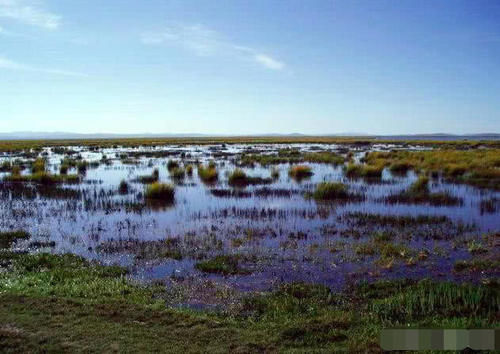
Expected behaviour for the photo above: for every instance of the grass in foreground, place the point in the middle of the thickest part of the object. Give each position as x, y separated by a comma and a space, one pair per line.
65, 304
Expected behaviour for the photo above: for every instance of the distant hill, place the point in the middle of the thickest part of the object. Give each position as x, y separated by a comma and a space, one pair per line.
28, 135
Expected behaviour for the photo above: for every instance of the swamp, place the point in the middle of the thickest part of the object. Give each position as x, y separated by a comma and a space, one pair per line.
245, 245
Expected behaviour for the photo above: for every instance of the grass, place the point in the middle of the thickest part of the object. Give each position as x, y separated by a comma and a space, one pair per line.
479, 167
300, 172
9, 237
223, 264
275, 173
62, 303
238, 177
189, 170
292, 156
172, 164
476, 265
396, 220
38, 166
44, 178
123, 187
148, 179
331, 191
419, 193
359, 170
26, 145
177, 173
160, 192
208, 174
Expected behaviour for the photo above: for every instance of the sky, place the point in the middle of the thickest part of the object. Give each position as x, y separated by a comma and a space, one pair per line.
250, 67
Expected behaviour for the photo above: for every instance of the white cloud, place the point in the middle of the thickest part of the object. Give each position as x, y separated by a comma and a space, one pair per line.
269, 62
8, 64
203, 41
29, 12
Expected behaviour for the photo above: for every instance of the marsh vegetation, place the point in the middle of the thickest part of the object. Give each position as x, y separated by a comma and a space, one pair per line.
281, 246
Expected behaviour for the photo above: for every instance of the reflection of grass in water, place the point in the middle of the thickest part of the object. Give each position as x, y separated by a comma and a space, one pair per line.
43, 178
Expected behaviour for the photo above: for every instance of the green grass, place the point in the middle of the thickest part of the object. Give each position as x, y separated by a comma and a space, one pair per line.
238, 177
476, 265
479, 167
419, 193
177, 173
359, 170
62, 303
38, 166
208, 174
20, 145
160, 192
224, 264
331, 191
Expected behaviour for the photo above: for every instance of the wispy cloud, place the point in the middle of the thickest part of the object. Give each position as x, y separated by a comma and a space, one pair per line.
30, 12
204, 41
7, 64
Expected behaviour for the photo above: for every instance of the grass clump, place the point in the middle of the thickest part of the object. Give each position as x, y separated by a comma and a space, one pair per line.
223, 264
160, 192
172, 164
331, 191
476, 265
177, 173
6, 166
189, 170
123, 187
353, 170
300, 172
38, 166
275, 173
208, 174
419, 193
148, 179
9, 237
239, 178
429, 300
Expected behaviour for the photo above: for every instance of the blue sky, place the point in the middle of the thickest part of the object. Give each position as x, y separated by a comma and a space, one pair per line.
250, 67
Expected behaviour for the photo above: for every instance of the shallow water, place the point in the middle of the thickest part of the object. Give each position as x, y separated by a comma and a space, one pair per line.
286, 235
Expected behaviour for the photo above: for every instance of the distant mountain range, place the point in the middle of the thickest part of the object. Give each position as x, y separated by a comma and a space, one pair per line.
28, 135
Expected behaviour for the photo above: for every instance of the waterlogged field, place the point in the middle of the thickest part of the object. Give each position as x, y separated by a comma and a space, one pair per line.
259, 232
